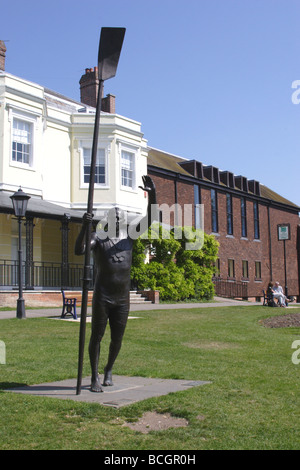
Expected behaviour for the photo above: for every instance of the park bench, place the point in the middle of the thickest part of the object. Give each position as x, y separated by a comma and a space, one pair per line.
269, 300
71, 300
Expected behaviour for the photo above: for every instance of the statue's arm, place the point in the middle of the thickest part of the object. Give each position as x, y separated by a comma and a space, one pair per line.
80, 241
149, 187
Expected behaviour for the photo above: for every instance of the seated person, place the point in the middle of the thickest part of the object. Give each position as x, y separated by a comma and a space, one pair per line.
278, 294
270, 295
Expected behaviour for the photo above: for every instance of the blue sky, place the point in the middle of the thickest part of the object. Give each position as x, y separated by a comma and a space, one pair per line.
208, 79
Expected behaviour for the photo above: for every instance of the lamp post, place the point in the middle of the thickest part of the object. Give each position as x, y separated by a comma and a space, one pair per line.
284, 233
20, 201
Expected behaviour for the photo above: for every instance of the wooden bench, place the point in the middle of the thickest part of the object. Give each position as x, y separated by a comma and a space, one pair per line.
71, 300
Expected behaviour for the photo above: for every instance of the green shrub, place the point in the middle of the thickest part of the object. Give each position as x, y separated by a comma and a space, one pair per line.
177, 273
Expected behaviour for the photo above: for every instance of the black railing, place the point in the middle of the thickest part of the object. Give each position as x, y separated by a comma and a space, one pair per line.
230, 289
42, 274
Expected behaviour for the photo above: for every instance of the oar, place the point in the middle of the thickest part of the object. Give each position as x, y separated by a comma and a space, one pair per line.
111, 40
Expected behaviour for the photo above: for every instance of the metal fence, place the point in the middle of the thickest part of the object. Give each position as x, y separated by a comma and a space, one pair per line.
44, 274
50, 275
230, 289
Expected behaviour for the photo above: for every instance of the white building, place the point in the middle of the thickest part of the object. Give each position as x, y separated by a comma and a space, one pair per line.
45, 147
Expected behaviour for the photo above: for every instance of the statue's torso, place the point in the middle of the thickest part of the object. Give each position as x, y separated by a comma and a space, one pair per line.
113, 260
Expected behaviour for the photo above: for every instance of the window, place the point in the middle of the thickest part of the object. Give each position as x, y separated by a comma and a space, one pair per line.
217, 268
245, 272
229, 214
257, 269
24, 126
100, 170
197, 201
21, 141
256, 220
214, 211
231, 272
127, 169
243, 217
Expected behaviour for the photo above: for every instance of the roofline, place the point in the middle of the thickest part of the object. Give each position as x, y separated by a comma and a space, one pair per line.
193, 180
169, 154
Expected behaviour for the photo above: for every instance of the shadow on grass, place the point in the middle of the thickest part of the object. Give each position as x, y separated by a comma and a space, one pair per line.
7, 385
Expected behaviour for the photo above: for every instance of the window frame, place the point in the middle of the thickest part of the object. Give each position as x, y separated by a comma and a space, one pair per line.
229, 214
258, 265
244, 232
214, 211
245, 273
31, 120
124, 147
197, 210
87, 145
217, 268
256, 228
128, 174
230, 261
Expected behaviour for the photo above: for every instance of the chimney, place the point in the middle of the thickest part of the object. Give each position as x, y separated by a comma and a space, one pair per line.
108, 104
89, 84
2, 55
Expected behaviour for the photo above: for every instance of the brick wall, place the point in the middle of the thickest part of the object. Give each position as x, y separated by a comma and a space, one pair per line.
165, 193
32, 299
268, 252
277, 248
254, 250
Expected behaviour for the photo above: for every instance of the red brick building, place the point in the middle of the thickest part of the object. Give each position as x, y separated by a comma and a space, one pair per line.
243, 215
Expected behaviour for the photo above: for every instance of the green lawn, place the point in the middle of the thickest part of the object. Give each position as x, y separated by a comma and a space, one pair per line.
252, 403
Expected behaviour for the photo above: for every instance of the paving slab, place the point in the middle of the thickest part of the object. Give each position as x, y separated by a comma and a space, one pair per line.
125, 391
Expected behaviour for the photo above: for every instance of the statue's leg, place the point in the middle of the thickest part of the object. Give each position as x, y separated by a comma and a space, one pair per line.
99, 321
117, 320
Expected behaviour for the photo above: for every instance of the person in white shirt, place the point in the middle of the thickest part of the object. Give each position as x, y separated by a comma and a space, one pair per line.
278, 294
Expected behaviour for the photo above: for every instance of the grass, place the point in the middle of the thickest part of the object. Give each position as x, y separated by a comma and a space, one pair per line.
252, 402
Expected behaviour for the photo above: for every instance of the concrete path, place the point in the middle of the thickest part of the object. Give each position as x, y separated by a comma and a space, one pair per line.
56, 312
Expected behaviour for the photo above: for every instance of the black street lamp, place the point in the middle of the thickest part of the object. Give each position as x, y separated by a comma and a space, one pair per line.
20, 201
